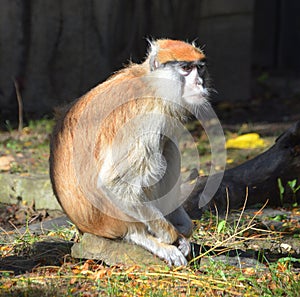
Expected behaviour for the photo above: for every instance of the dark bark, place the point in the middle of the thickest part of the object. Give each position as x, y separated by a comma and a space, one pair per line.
57, 50
256, 179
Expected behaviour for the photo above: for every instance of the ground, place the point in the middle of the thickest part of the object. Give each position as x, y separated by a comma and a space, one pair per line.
253, 252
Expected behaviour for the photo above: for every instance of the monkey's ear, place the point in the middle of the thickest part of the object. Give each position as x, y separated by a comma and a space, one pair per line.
152, 55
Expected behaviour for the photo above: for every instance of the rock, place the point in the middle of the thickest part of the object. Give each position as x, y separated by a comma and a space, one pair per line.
36, 229
46, 226
239, 262
113, 252
50, 252
31, 188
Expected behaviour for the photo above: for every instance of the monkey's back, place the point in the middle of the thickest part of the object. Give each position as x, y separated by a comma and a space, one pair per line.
70, 183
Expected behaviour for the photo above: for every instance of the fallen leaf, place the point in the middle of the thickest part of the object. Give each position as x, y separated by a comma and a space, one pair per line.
259, 212
246, 141
272, 285
27, 143
73, 280
132, 268
249, 271
229, 161
282, 266
100, 274
5, 162
7, 285
286, 247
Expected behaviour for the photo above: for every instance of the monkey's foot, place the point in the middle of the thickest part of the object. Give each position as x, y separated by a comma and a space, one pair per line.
170, 253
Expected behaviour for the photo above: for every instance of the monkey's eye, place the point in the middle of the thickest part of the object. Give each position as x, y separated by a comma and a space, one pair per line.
187, 68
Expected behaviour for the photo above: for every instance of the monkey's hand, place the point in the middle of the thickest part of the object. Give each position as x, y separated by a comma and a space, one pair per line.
183, 245
168, 252
176, 253
172, 255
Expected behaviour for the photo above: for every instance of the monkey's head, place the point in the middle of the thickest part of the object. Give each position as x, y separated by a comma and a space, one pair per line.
183, 62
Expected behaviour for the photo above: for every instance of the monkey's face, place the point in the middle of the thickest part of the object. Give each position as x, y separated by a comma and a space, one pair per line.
188, 81
193, 76
184, 63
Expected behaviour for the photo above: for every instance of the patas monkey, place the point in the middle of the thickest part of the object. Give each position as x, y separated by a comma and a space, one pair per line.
114, 160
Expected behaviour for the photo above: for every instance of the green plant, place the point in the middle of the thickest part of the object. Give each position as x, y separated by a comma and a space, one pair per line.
43, 125
221, 226
9, 126
263, 77
292, 185
14, 145
288, 259
17, 168
281, 189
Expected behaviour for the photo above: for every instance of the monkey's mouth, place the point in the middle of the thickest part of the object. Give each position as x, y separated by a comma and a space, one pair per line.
196, 94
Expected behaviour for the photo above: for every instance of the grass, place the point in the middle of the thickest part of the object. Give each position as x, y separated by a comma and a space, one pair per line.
29, 148
212, 276
90, 279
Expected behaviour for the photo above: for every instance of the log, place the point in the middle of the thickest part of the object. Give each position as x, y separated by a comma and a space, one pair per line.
256, 179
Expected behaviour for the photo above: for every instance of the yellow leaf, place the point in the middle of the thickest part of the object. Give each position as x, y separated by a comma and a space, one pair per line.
249, 271
246, 141
7, 285
201, 172
27, 143
76, 270
100, 274
26, 130
132, 268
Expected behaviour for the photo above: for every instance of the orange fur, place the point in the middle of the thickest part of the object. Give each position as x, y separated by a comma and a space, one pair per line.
176, 50
105, 102
80, 210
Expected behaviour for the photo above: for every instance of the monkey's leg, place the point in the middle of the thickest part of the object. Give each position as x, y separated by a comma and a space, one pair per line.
156, 235
169, 187
139, 202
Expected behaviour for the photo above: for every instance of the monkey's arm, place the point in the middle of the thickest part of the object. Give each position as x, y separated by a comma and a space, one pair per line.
136, 190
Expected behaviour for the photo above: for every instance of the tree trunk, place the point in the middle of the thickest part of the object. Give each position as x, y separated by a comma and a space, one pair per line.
256, 179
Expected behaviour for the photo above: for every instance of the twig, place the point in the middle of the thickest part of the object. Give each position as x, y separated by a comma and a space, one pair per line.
221, 243
256, 214
243, 209
20, 106
5, 232
17, 230
227, 204
217, 214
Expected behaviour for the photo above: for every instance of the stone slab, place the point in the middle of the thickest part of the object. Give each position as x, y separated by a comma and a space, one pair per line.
46, 226
33, 188
113, 252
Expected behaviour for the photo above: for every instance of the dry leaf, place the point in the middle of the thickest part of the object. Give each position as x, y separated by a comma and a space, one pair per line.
5, 162
246, 141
